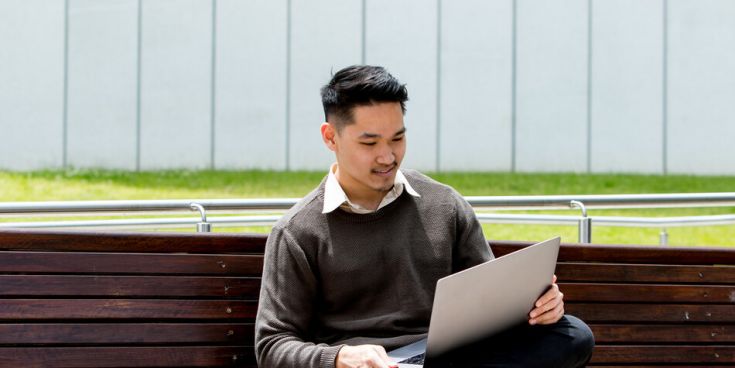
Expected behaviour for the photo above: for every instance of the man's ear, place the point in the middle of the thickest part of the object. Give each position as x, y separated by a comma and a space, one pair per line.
328, 133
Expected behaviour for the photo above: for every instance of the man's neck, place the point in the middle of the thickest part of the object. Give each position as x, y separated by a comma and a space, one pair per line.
368, 202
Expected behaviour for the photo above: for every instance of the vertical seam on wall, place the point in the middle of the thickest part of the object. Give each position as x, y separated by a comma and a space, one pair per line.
438, 82
665, 89
363, 55
65, 108
138, 86
514, 92
589, 86
213, 81
288, 85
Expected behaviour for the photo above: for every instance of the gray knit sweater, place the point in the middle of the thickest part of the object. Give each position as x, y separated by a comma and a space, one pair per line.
343, 278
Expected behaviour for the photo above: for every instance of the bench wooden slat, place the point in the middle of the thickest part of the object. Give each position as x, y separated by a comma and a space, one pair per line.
642, 313
88, 241
126, 333
45, 240
139, 286
628, 253
164, 309
130, 263
714, 334
671, 354
625, 273
627, 293
109, 357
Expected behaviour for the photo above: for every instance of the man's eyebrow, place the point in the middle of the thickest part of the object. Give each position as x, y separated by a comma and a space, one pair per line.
366, 135
369, 135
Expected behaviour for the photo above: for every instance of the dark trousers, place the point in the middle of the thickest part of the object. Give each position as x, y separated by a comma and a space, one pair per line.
567, 343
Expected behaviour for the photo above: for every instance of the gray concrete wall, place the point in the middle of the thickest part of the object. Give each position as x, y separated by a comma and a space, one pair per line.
524, 85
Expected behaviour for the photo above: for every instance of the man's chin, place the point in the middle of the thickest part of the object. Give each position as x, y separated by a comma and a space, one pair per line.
381, 183
384, 188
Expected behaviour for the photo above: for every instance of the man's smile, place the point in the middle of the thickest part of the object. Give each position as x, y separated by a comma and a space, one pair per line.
384, 172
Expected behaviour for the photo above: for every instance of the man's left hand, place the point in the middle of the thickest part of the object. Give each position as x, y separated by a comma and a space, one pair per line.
549, 308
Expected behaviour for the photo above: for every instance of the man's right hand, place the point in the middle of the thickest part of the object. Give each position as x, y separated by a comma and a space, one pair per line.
363, 356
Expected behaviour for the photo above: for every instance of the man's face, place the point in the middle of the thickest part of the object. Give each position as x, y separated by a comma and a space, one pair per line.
370, 150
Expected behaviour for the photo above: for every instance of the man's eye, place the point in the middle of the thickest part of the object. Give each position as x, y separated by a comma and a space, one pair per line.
368, 143
398, 139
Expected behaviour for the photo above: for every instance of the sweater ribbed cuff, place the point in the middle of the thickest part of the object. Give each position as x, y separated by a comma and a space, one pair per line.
329, 356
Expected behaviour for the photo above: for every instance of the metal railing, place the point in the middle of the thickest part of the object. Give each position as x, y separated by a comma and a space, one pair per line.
255, 207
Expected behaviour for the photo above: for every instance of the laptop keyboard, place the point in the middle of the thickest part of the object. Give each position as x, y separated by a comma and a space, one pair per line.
416, 359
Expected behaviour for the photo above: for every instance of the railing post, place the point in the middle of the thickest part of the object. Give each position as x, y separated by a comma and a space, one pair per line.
203, 226
663, 237
585, 223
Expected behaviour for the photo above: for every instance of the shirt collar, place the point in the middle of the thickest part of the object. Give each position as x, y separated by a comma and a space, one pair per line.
335, 196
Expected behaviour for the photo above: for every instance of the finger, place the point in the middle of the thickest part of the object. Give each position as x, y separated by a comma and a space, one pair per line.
553, 279
549, 318
373, 360
548, 296
383, 354
552, 316
381, 357
550, 305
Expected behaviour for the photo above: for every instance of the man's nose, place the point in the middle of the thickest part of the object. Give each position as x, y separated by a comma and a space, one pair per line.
385, 155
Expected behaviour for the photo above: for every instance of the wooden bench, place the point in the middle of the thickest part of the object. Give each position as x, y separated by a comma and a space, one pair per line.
86, 299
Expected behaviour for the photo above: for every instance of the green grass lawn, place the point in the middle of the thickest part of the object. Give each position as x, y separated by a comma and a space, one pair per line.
110, 185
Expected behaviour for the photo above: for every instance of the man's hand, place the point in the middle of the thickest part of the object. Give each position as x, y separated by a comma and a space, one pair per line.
549, 308
363, 356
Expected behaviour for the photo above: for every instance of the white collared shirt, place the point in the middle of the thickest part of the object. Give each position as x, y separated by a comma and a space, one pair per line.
335, 197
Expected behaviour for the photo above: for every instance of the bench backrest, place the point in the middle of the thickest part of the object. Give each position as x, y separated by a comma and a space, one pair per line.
133, 300
121, 299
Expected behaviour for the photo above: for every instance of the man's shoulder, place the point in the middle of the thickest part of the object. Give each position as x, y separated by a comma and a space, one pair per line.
436, 197
425, 184
306, 212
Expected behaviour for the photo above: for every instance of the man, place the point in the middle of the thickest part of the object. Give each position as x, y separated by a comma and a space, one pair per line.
351, 269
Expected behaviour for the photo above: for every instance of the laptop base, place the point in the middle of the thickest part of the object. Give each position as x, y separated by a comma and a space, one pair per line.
408, 351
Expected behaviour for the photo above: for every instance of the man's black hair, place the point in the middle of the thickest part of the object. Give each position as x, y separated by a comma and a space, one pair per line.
359, 85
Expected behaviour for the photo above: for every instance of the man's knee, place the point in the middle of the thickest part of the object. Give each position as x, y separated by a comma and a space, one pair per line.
565, 344
582, 341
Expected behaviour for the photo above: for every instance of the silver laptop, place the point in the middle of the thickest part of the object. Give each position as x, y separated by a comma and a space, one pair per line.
483, 300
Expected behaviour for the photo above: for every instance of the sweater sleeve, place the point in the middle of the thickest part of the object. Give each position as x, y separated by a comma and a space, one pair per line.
471, 247
285, 313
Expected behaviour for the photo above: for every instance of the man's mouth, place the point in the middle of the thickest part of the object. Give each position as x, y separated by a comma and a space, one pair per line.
386, 171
